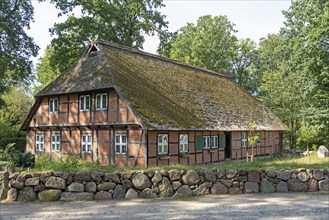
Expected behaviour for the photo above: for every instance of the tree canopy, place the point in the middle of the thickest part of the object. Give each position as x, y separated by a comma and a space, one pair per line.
16, 47
117, 21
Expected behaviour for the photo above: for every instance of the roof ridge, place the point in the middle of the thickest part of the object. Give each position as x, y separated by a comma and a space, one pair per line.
155, 56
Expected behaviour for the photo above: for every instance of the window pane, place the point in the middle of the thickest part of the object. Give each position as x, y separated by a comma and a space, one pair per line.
83, 138
55, 105
160, 138
124, 149
165, 138
41, 138
87, 102
165, 148
89, 147
89, 138
41, 147
38, 137
58, 138
124, 139
104, 101
117, 149
51, 105
98, 101
117, 139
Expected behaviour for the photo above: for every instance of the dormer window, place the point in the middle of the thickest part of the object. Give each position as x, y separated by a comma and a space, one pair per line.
85, 103
101, 101
53, 105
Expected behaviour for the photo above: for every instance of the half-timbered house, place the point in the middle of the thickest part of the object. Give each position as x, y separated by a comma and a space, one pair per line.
124, 107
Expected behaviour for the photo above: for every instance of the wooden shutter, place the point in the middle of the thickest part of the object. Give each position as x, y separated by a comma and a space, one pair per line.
199, 143
222, 141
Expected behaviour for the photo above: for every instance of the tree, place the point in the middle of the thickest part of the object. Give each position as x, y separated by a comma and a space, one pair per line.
210, 44
16, 47
117, 21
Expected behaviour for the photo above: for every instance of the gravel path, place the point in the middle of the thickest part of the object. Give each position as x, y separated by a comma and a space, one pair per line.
251, 206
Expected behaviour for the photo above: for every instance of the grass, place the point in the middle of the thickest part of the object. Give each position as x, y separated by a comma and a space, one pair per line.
77, 164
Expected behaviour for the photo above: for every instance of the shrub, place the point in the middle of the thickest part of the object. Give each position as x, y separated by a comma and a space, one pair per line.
17, 158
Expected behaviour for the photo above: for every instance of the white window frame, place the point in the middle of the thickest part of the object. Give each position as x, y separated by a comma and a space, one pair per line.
121, 147
214, 141
40, 142
206, 141
86, 143
53, 105
183, 143
55, 142
101, 103
162, 144
244, 139
84, 103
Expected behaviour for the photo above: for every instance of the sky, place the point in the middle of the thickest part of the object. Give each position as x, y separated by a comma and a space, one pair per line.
253, 19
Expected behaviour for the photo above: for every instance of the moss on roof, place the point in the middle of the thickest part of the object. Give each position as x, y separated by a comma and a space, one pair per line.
166, 94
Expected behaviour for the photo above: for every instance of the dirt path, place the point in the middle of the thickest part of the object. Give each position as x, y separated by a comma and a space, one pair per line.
252, 206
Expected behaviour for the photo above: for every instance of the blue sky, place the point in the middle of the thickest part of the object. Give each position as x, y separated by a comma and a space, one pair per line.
253, 19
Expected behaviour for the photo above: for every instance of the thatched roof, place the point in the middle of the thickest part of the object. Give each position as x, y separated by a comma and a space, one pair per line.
165, 94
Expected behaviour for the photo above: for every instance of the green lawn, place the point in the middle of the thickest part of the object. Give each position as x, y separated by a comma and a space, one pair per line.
274, 163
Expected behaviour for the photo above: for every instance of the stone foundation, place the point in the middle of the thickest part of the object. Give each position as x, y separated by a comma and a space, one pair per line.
52, 186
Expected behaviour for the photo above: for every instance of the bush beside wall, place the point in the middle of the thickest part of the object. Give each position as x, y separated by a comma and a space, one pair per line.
52, 186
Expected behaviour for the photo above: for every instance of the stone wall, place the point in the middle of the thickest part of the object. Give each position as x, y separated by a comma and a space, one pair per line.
51, 186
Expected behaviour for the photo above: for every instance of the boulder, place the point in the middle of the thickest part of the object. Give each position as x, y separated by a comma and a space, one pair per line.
174, 175
303, 176
119, 192
13, 176
147, 194
251, 187
141, 181
49, 195
253, 176
90, 187
312, 185
318, 174
243, 178
58, 174
32, 181
111, 177
176, 185
227, 183
324, 185
127, 183
210, 176
234, 190
105, 186
21, 178
156, 177
39, 187
76, 196
295, 185
281, 187
126, 175
131, 194
16, 184
4, 185
221, 173
270, 173
266, 186
96, 176
184, 190
103, 195
82, 176
284, 174
203, 189
230, 174
165, 188
76, 187
55, 182
218, 188
27, 194
12, 195
322, 152
191, 178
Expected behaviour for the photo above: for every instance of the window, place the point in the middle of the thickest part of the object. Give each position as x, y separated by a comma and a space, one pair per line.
101, 101
86, 142
120, 143
163, 144
55, 142
85, 102
40, 142
214, 142
206, 140
183, 143
53, 105
244, 139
